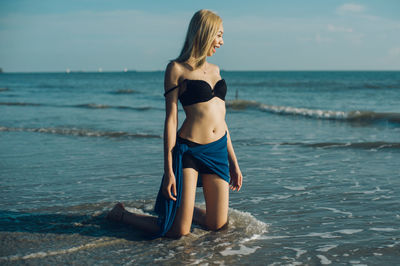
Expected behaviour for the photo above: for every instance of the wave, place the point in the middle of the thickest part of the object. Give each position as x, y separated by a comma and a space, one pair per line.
20, 104
4, 89
373, 145
360, 145
85, 105
351, 116
280, 84
315, 84
80, 132
103, 106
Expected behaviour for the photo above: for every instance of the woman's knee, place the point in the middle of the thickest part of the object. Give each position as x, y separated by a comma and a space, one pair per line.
179, 232
217, 225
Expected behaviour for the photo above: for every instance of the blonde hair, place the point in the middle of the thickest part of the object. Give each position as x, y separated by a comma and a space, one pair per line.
203, 28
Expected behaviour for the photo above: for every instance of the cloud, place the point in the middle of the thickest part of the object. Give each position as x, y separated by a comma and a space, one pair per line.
350, 8
395, 51
333, 28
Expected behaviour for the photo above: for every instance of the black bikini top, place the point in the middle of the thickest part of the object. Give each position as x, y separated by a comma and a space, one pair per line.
197, 90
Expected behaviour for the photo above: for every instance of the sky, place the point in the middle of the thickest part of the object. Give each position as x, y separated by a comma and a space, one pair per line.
86, 35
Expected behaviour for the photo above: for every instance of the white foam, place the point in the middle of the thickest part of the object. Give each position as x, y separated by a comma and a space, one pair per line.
41, 254
310, 164
382, 197
170, 255
349, 231
324, 260
377, 189
242, 251
278, 196
295, 188
322, 235
136, 210
383, 229
336, 211
326, 248
273, 237
299, 251
246, 220
256, 200
304, 111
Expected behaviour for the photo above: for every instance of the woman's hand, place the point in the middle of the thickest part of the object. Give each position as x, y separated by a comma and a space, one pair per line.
236, 178
169, 184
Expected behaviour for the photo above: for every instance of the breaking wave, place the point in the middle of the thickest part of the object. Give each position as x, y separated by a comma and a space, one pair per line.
103, 106
351, 116
374, 145
321, 85
85, 105
80, 132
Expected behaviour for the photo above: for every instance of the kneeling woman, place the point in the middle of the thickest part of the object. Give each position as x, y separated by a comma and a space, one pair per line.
201, 152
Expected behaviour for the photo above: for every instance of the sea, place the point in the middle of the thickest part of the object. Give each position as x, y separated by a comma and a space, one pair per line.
319, 152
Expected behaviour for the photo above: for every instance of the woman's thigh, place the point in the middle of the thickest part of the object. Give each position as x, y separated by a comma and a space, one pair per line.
184, 215
216, 194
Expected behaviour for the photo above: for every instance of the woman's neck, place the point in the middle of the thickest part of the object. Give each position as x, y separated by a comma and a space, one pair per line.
191, 62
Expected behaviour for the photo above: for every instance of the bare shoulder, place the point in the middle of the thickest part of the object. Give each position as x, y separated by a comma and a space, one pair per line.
173, 72
215, 69
174, 67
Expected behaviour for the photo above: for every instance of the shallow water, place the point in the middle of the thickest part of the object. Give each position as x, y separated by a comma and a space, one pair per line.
319, 152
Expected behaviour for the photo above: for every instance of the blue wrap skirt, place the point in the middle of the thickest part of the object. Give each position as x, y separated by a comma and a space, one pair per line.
213, 155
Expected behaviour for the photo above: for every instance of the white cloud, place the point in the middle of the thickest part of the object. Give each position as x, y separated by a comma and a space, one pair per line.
350, 7
395, 51
333, 28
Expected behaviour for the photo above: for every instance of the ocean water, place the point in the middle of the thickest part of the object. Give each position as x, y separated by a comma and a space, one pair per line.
319, 152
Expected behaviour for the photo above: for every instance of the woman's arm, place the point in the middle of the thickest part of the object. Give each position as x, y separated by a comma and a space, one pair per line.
171, 79
231, 153
234, 169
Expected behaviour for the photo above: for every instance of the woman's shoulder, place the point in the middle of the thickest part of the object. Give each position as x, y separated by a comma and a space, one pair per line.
214, 66
174, 66
214, 69
173, 73
173, 69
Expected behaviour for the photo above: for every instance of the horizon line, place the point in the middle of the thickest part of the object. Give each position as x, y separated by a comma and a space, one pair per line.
222, 70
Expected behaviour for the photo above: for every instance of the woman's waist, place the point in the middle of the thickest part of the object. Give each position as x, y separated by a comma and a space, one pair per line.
202, 133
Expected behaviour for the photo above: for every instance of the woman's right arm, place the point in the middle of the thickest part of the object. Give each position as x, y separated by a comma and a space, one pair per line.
171, 79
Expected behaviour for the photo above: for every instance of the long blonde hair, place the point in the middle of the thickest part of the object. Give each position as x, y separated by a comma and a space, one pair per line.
203, 28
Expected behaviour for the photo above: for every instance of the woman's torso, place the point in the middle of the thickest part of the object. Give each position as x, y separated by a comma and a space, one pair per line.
205, 116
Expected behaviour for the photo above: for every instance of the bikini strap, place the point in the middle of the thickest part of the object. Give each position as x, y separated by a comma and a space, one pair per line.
171, 89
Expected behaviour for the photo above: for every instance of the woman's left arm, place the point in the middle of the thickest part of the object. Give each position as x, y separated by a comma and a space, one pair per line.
234, 170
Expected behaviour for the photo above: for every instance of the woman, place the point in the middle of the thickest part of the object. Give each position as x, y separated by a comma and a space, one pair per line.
201, 152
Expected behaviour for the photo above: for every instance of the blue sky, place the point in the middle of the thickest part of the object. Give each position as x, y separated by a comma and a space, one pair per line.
53, 35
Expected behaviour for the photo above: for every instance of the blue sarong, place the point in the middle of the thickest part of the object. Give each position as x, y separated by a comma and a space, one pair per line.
214, 155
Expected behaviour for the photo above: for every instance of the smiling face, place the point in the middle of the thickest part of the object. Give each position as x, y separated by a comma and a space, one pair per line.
218, 41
